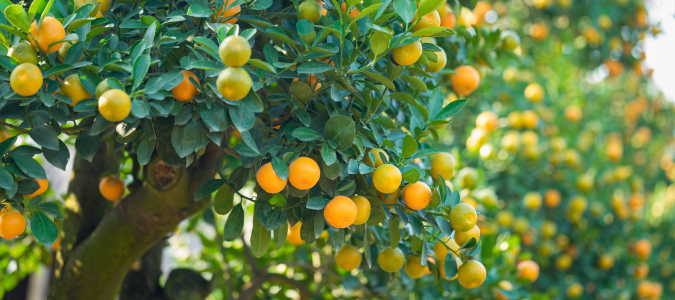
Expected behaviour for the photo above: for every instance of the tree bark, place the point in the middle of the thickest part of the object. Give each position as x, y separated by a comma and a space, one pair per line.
97, 263
142, 281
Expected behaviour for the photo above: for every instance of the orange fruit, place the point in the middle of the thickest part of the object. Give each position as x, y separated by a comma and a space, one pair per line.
293, 236
414, 267
530, 119
534, 92
6, 209
378, 158
12, 224
448, 20
26, 79
44, 184
234, 83
222, 13
532, 200
471, 274
462, 217
468, 178
104, 6
642, 249
615, 68
575, 290
605, 262
111, 187
309, 10
487, 121
51, 30
390, 259
234, 51
408, 54
186, 91
101, 88
432, 19
340, 212
552, 198
504, 218
114, 105
348, 258
391, 198
362, 209
440, 64
303, 173
529, 270
465, 81
563, 262
641, 270
56, 246
417, 195
462, 237
539, 31
23, 53
573, 113
444, 164
269, 180
353, 11
387, 178
548, 229
72, 87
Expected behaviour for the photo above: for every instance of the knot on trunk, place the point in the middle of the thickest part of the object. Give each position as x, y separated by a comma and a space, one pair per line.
162, 176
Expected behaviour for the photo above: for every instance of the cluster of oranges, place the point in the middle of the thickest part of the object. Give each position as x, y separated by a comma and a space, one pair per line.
234, 82
13, 223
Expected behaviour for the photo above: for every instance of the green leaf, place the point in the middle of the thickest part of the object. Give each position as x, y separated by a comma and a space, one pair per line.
406, 9
280, 167
43, 229
301, 91
305, 134
394, 232
30, 166
260, 238
341, 130
403, 97
185, 138
141, 66
381, 79
451, 109
263, 65
317, 203
411, 176
409, 146
58, 69
444, 225
328, 155
199, 11
145, 149
36, 7
234, 224
207, 188
139, 108
45, 136
18, 17
427, 6
379, 42
280, 235
366, 11
431, 31
6, 179
313, 67
58, 158
224, 200
89, 80
450, 265
52, 209
7, 144
416, 82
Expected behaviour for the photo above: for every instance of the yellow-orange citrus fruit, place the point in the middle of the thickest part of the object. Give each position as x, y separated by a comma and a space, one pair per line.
26, 79
529, 270
362, 209
573, 113
185, 90
432, 19
605, 262
390, 259
303, 173
548, 229
642, 249
378, 157
80, 3
222, 13
6, 209
442, 250
539, 31
72, 87
530, 119
44, 184
407, 54
439, 64
552, 198
114, 105
414, 267
468, 178
234, 51
504, 218
387, 178
348, 258
353, 12
532, 200
51, 30
463, 217
534, 92
563, 262
234, 83
23, 53
641, 270
111, 187
101, 88
104, 6
471, 274
462, 237
340, 212
449, 20
391, 198
12, 224
309, 10
269, 180
293, 236
417, 195
575, 290
487, 120
615, 68
444, 164
56, 246
465, 81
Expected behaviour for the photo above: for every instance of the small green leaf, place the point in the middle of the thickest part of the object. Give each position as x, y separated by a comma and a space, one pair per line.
43, 229
207, 188
260, 238
280, 167
409, 146
18, 17
305, 134
234, 224
341, 130
224, 200
451, 109
317, 203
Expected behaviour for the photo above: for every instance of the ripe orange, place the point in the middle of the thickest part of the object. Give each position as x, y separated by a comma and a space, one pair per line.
408, 54
534, 92
471, 274
487, 120
575, 290
563, 262
552, 198
391, 198
44, 184
362, 209
303, 173
12, 224
615, 68
348, 258
378, 159
114, 105
530, 119
387, 178
417, 195
309, 10
234, 51
6, 209
529, 270
51, 30
353, 11
414, 267
26, 79
504, 218
462, 217
468, 178
465, 81
222, 13
340, 212
532, 200
641, 270
72, 87
462, 237
293, 236
539, 31
548, 229
234, 83
56, 246
104, 6
444, 164
448, 20
605, 262
440, 64
185, 91
111, 187
573, 113
23, 53
390, 259
642, 249
432, 19
269, 180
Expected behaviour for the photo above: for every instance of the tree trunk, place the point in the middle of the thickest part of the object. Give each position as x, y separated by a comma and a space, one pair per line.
98, 255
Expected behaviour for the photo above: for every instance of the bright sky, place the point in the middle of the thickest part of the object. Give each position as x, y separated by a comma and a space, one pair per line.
661, 50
